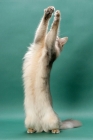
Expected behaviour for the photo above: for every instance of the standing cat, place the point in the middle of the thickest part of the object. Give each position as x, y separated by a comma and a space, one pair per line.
38, 61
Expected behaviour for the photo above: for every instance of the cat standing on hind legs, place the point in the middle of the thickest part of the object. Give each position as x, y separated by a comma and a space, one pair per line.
37, 65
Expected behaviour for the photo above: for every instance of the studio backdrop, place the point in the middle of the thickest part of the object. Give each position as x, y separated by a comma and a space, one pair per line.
72, 73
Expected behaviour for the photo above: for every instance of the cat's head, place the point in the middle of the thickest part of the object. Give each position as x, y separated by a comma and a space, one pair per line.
60, 42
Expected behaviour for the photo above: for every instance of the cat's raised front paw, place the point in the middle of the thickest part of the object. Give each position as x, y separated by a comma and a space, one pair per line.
57, 15
48, 11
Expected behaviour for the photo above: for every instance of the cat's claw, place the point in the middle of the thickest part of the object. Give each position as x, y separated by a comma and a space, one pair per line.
48, 11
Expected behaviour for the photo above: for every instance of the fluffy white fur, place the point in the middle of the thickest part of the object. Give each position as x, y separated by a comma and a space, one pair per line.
37, 65
38, 104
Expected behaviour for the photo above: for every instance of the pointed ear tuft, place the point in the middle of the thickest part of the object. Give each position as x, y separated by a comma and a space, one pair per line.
63, 40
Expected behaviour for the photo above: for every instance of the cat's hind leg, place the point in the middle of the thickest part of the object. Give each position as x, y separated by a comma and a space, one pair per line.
33, 124
30, 124
42, 28
51, 122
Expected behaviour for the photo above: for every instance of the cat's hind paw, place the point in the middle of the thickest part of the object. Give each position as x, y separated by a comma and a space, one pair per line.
48, 11
55, 131
29, 130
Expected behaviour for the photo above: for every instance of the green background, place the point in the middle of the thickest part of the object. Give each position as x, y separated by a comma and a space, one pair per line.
72, 73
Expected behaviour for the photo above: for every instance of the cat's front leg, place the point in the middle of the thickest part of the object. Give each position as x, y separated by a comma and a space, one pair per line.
52, 34
42, 28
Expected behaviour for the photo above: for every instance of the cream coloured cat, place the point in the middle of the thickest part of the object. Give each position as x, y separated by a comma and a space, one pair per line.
37, 65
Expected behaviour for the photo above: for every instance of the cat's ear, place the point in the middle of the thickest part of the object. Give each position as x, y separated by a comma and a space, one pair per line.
63, 40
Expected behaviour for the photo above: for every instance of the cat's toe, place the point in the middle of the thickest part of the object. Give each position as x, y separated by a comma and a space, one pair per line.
55, 131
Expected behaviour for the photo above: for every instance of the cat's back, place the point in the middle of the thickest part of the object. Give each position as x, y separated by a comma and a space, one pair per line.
32, 51
33, 59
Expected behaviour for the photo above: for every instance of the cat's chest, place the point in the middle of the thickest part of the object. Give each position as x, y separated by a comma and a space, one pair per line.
49, 58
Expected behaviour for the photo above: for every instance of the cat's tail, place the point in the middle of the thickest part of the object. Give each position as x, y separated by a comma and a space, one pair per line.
69, 123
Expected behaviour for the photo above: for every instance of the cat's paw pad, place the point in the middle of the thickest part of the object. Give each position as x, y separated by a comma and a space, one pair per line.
48, 11
30, 130
55, 131
57, 15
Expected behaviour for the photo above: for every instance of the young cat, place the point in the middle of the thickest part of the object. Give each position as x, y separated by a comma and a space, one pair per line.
38, 61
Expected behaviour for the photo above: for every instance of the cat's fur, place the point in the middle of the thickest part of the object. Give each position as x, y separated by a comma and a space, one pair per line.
38, 61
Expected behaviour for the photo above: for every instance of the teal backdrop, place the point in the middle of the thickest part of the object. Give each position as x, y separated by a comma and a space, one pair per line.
72, 73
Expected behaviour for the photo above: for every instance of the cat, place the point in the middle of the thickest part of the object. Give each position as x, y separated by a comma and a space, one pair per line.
37, 66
